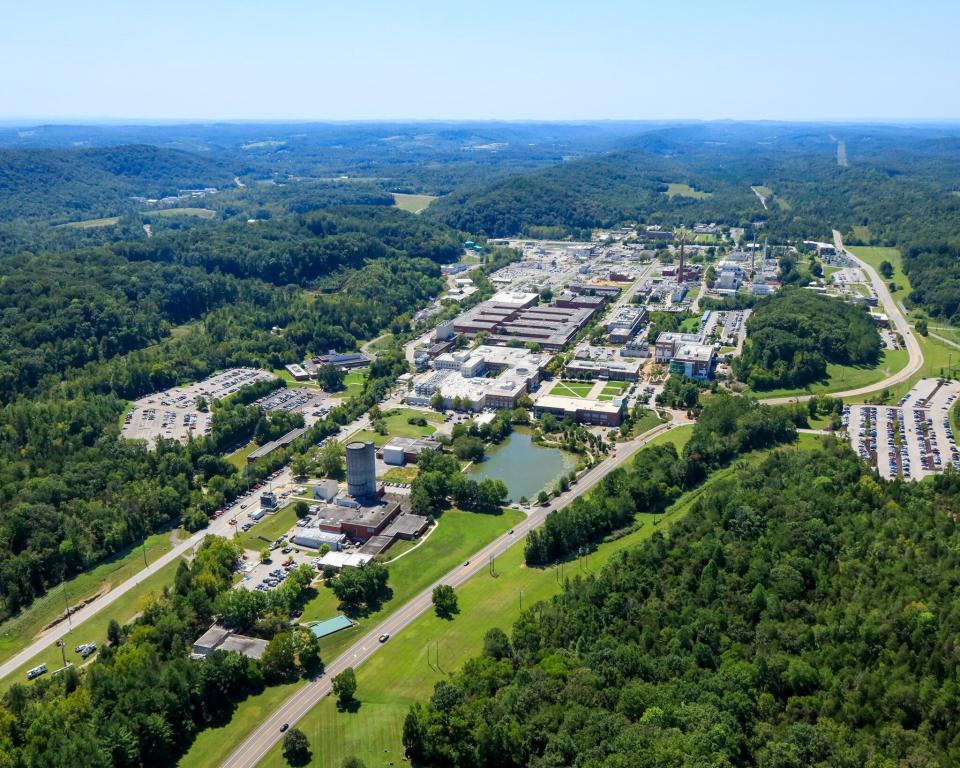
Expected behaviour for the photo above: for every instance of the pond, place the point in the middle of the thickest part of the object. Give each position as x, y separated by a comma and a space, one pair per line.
526, 468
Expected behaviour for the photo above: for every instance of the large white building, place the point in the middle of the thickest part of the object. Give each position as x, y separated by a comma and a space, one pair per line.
485, 377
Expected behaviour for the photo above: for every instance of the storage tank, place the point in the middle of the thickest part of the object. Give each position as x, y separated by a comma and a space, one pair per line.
361, 469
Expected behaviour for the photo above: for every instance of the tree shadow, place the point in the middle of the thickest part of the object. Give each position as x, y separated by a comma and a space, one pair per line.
349, 707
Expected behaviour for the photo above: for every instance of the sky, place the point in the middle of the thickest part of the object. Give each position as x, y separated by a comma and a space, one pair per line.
515, 60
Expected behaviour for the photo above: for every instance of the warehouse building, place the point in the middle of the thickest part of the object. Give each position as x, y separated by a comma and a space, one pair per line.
624, 323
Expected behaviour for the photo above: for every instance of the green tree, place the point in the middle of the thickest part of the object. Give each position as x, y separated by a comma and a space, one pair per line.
330, 377
296, 747
886, 269
444, 601
345, 688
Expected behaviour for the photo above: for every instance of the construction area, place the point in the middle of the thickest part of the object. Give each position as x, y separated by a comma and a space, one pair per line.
912, 439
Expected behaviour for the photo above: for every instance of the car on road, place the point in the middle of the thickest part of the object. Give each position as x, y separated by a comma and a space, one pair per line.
284, 727
511, 531
243, 506
384, 638
466, 563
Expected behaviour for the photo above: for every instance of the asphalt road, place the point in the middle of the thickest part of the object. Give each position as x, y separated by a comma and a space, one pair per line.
219, 527
900, 324
263, 739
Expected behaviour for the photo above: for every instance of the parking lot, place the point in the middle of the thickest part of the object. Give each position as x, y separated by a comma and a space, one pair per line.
173, 413
912, 439
730, 327
309, 402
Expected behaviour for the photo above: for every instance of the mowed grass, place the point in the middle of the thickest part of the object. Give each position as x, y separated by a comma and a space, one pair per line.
685, 190
239, 457
353, 382
405, 670
572, 388
95, 629
397, 426
412, 203
108, 221
458, 536
844, 377
167, 213
19, 631
873, 255
401, 474
269, 528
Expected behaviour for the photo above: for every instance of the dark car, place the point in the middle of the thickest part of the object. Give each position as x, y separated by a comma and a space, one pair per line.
284, 727
384, 638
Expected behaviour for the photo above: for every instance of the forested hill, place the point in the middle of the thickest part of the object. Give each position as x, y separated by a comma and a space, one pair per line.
71, 184
802, 615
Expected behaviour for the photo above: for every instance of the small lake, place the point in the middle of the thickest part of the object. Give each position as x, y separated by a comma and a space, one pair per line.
526, 468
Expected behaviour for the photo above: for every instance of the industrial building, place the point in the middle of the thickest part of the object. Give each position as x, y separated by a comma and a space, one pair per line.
484, 377
314, 538
570, 300
219, 638
614, 370
686, 354
275, 445
605, 413
397, 451
624, 323
361, 470
550, 327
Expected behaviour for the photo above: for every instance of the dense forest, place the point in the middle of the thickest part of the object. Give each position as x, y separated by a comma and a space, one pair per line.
802, 614
792, 336
84, 183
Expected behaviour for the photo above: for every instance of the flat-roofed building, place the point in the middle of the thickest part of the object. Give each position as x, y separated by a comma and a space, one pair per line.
605, 413
624, 323
570, 300
669, 341
298, 372
397, 451
612, 369
219, 638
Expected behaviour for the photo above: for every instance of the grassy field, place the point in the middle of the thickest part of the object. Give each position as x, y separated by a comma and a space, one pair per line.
685, 190
291, 382
862, 233
397, 426
353, 382
400, 474
18, 631
458, 536
427, 651
95, 629
613, 389
843, 377
270, 526
874, 255
690, 325
939, 359
649, 420
166, 213
572, 388
412, 203
239, 457
109, 221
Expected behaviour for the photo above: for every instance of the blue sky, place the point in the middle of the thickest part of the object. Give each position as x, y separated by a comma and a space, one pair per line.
416, 59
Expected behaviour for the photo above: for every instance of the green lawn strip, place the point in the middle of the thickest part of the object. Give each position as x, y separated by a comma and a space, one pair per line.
19, 631
458, 536
400, 674
270, 526
400, 474
843, 377
239, 457
91, 223
284, 374
200, 213
874, 255
95, 628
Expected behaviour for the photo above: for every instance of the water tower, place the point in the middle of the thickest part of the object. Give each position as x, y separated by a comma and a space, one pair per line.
361, 470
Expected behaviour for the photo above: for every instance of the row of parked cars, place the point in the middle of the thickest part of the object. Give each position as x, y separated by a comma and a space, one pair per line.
84, 650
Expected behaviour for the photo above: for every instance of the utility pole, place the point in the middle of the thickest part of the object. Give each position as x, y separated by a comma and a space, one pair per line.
63, 651
144, 550
66, 604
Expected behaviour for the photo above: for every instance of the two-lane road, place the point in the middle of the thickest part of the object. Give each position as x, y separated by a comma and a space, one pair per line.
899, 322
262, 740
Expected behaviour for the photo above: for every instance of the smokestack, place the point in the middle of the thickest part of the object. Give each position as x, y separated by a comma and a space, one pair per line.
680, 270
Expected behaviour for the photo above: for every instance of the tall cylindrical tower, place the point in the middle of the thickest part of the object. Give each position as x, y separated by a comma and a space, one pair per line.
361, 469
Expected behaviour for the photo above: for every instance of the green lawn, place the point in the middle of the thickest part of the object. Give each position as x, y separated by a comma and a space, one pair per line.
685, 190
690, 325
412, 203
874, 255
16, 632
400, 474
458, 536
200, 213
270, 526
402, 674
95, 628
572, 388
615, 387
843, 377
284, 374
649, 420
239, 457
353, 382
92, 223
397, 426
